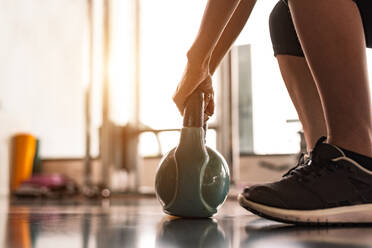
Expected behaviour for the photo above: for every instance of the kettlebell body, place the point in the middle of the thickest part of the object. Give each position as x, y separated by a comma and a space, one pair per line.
192, 179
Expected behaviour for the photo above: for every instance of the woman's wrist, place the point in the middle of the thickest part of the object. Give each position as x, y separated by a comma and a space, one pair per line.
197, 60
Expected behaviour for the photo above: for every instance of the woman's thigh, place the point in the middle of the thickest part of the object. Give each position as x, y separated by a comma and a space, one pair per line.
365, 9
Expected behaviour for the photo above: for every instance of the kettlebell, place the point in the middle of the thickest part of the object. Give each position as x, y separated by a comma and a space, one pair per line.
192, 179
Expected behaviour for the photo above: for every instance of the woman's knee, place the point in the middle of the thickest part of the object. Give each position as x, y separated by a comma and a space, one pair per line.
282, 31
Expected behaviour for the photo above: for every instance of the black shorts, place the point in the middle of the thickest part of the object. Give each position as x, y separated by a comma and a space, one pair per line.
284, 36
365, 9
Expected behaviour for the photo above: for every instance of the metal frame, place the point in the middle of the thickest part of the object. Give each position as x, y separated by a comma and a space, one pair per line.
105, 146
88, 91
227, 119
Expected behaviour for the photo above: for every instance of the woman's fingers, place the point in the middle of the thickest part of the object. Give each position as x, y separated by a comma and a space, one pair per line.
178, 99
206, 118
209, 110
184, 90
207, 88
191, 80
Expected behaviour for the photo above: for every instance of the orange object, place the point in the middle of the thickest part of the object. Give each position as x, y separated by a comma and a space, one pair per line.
19, 230
24, 147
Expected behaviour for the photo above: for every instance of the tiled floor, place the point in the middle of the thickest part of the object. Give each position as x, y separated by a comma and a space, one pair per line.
139, 222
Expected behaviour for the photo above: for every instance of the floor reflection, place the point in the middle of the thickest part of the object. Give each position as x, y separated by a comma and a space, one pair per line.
320, 237
3, 220
140, 223
191, 233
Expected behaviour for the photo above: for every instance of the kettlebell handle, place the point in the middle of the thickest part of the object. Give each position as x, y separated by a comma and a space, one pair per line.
194, 110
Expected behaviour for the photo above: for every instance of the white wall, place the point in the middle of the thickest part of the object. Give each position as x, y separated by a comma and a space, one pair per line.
41, 75
41, 80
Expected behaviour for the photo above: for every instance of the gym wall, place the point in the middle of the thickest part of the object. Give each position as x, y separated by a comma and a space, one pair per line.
41, 72
41, 76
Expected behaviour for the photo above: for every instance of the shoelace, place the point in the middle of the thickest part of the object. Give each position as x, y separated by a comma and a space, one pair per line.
312, 168
301, 161
306, 164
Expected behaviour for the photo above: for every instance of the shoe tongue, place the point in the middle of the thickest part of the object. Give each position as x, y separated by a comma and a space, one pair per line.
325, 151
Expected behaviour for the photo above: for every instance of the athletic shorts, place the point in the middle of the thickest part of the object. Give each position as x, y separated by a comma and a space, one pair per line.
284, 36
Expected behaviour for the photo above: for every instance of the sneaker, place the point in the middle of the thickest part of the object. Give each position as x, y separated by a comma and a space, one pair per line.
329, 188
302, 159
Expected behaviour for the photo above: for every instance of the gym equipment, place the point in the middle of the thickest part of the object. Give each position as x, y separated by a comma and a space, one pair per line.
36, 164
24, 147
192, 179
56, 186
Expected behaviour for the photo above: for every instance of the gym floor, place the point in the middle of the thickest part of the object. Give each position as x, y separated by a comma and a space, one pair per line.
133, 221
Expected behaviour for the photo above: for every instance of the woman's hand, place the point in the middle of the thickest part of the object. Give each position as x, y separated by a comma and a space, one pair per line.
222, 22
192, 79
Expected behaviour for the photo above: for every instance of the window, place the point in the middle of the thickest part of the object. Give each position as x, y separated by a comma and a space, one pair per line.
271, 105
167, 30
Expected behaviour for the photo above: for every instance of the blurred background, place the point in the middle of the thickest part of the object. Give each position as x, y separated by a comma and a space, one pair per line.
86, 114
86, 87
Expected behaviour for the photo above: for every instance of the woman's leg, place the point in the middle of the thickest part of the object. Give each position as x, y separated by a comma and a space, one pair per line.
304, 95
336, 183
332, 37
296, 74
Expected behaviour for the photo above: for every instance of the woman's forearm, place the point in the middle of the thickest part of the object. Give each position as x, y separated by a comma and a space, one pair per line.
231, 32
215, 18
222, 22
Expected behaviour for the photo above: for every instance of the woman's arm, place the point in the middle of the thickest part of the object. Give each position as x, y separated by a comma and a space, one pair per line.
222, 22
231, 32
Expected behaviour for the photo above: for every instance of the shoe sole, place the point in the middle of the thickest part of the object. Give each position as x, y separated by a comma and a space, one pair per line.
348, 215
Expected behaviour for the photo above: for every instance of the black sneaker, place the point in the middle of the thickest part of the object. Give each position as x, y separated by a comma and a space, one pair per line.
302, 159
329, 188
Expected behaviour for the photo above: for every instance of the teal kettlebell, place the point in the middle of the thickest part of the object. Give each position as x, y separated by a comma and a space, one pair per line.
192, 180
